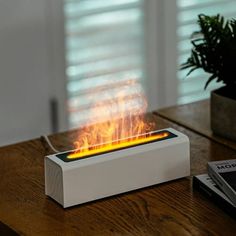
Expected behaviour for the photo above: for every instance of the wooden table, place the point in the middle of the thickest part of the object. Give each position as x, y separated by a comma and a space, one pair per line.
166, 209
196, 117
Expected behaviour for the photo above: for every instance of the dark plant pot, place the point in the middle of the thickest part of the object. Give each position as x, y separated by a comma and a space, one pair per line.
223, 112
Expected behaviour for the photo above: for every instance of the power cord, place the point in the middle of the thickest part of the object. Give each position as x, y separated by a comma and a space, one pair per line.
45, 139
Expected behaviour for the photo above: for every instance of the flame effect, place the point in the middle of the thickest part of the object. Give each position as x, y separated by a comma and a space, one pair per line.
125, 123
119, 145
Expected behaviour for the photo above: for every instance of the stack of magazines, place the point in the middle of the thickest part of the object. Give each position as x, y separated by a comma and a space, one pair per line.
219, 184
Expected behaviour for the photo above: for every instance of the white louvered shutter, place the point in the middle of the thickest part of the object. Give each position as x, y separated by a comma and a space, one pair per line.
192, 88
103, 52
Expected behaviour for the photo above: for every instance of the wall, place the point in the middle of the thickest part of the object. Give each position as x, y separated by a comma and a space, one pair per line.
24, 70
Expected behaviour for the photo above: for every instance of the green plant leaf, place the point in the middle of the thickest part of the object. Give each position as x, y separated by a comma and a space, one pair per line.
209, 80
193, 69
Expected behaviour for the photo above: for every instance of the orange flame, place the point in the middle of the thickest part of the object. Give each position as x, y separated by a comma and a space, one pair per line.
124, 124
118, 145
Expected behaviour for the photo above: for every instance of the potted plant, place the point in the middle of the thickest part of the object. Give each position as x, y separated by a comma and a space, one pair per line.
214, 51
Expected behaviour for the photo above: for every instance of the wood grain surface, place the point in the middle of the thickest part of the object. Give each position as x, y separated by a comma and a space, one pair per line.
171, 208
194, 116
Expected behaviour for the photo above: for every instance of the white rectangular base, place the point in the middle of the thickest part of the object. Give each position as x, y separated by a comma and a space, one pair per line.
96, 177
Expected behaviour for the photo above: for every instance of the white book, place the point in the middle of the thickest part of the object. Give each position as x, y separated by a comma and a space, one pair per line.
224, 175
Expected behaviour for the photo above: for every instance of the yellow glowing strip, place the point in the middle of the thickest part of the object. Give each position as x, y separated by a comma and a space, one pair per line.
113, 147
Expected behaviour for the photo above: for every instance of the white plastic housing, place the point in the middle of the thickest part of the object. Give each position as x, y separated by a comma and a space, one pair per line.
96, 177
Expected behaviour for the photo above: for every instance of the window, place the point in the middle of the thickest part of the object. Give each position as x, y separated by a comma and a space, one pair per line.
111, 43
104, 53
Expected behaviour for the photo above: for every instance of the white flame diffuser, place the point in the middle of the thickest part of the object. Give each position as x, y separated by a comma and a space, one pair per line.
162, 156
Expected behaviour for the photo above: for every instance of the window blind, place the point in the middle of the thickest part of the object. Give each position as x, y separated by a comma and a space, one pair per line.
192, 88
103, 53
